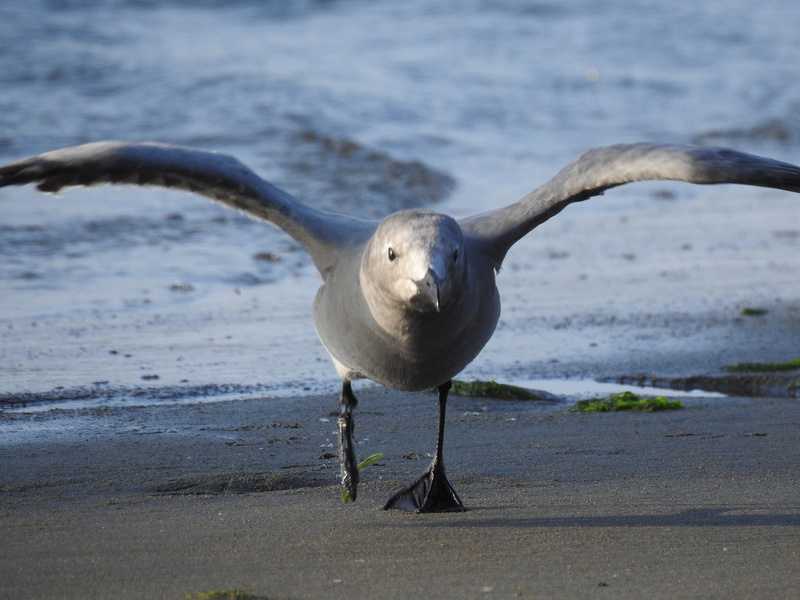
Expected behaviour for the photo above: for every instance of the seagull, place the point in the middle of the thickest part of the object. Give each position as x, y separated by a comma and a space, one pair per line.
408, 301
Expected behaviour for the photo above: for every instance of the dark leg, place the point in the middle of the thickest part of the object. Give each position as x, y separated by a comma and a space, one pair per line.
349, 469
432, 491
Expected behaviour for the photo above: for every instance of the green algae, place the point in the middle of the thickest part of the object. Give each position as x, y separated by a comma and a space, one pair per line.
492, 389
765, 367
753, 312
361, 466
236, 594
626, 401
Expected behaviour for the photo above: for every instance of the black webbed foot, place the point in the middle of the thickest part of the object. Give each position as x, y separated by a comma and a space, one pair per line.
432, 491
347, 454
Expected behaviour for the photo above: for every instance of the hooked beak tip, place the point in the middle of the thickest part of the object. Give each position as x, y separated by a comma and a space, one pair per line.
429, 293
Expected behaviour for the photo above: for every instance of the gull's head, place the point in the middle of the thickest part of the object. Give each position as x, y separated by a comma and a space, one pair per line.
415, 260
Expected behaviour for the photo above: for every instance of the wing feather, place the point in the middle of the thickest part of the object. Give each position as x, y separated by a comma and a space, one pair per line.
599, 169
217, 176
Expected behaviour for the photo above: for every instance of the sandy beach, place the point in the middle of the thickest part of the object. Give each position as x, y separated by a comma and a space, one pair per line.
168, 416
702, 502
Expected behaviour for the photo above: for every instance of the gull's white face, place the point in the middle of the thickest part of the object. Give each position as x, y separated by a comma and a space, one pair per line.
415, 261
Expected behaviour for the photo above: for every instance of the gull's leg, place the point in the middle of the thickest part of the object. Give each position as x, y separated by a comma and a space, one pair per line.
349, 469
432, 491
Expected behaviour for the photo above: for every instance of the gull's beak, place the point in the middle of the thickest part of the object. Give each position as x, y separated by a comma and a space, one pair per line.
427, 297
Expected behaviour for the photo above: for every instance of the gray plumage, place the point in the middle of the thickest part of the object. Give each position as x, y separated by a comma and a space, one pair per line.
411, 300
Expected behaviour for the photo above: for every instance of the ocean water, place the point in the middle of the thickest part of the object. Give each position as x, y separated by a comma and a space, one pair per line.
366, 107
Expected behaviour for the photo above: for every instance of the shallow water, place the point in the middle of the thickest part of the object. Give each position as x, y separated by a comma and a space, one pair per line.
367, 107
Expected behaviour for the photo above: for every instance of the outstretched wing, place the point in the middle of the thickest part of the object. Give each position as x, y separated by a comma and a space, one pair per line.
599, 169
216, 176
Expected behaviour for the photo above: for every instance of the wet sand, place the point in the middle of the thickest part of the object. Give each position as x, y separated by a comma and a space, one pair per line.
161, 502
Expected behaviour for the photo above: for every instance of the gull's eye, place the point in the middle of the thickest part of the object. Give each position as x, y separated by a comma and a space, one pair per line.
392, 254
455, 255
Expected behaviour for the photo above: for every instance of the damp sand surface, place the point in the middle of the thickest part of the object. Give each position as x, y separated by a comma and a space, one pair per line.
162, 502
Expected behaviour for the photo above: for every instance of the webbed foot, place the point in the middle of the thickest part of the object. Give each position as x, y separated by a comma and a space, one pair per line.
430, 492
349, 468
